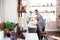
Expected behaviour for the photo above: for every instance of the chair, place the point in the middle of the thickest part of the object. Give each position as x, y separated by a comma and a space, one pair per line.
2, 28
44, 34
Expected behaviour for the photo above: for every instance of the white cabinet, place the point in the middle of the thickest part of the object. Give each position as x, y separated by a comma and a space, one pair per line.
1, 35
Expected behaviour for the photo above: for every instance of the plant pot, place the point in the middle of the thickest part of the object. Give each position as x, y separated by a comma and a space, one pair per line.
5, 32
8, 34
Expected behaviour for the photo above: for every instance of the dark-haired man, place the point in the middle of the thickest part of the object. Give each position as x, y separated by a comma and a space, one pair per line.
40, 24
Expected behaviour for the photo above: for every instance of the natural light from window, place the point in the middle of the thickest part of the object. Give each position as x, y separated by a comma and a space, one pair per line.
47, 8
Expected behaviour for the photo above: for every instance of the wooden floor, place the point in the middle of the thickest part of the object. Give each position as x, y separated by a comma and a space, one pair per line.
55, 33
52, 35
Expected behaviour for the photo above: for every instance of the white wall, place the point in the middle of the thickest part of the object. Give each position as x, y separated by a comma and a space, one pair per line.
0, 11
10, 10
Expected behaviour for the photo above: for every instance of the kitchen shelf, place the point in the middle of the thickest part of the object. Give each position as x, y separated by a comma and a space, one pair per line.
44, 12
42, 6
47, 12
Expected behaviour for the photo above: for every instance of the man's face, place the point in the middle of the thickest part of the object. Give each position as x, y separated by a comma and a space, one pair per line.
36, 12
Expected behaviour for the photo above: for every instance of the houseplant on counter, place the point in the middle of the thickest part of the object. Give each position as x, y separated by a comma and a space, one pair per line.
9, 26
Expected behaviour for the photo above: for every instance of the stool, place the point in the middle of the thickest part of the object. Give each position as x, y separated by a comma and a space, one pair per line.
44, 34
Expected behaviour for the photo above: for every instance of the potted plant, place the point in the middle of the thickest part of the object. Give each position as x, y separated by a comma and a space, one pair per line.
9, 26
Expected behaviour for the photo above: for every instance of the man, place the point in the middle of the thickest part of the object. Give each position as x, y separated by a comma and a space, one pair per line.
40, 24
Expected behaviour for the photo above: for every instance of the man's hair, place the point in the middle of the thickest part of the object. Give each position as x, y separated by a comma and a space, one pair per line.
36, 10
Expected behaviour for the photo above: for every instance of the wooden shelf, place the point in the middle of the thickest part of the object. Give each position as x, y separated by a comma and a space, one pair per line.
47, 12
42, 6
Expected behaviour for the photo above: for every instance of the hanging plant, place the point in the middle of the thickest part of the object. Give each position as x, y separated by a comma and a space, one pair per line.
31, 12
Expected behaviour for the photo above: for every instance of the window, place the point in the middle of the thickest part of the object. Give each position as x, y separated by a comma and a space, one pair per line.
46, 8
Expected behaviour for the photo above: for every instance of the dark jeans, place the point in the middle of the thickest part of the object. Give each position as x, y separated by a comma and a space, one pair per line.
40, 37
